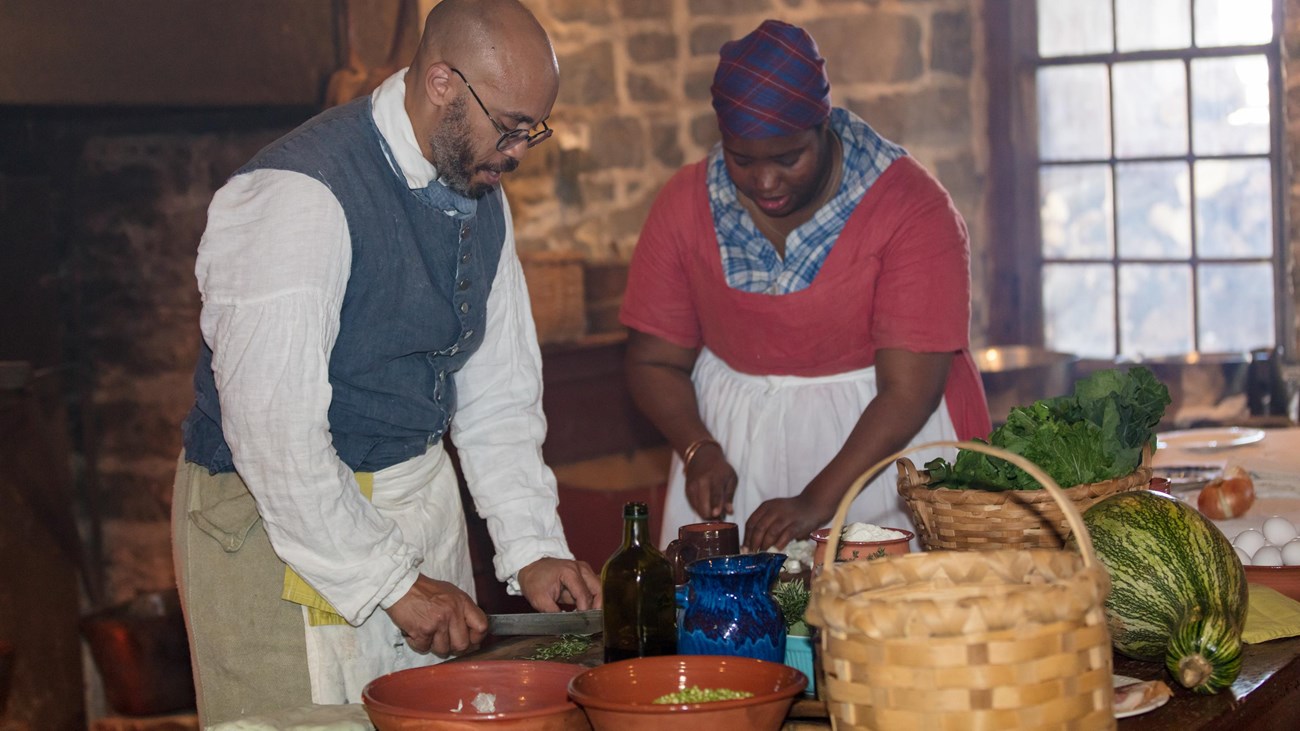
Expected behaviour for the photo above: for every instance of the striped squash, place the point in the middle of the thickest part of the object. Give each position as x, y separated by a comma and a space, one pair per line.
1178, 591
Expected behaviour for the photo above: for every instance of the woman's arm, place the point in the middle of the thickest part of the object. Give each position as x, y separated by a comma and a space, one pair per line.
909, 388
659, 377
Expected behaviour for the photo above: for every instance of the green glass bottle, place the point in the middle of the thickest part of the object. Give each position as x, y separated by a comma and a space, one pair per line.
639, 594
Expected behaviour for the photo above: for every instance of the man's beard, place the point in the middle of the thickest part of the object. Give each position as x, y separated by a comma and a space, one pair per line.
453, 155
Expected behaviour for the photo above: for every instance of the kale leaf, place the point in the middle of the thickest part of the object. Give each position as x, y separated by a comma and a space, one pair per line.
1095, 434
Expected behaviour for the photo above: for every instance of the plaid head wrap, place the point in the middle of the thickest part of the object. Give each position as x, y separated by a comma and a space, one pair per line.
771, 83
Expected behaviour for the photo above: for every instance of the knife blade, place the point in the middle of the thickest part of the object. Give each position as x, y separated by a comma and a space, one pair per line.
585, 622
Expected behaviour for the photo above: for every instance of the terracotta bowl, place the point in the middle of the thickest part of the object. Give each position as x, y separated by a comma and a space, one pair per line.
529, 696
620, 696
1282, 579
855, 550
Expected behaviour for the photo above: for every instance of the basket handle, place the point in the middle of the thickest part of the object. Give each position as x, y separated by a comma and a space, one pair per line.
1072, 515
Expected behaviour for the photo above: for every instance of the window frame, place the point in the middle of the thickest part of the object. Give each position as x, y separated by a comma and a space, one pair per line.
1015, 260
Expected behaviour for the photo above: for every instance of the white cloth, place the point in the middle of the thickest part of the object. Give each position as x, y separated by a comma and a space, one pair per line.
422, 498
272, 269
778, 432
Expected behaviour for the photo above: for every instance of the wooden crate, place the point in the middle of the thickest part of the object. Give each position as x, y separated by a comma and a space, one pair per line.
555, 290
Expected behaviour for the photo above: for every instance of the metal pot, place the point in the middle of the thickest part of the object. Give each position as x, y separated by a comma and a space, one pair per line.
1018, 375
143, 655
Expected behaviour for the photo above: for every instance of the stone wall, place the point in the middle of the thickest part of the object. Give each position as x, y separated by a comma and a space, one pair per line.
634, 103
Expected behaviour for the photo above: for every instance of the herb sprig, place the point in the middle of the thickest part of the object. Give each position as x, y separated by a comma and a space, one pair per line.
568, 646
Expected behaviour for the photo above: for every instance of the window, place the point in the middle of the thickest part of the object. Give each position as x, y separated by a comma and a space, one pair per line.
1143, 140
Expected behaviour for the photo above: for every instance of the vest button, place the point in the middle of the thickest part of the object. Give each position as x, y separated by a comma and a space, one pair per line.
464, 232
463, 285
464, 307
468, 334
464, 258
454, 350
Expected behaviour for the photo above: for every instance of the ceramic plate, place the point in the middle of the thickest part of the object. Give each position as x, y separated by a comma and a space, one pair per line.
1214, 438
1125, 680
1187, 477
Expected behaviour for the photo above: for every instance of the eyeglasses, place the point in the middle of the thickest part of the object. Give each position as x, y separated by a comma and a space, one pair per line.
509, 137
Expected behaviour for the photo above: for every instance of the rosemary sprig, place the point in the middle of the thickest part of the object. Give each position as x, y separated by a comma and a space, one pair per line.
567, 646
792, 597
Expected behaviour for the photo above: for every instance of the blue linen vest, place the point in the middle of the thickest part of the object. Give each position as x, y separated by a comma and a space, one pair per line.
415, 304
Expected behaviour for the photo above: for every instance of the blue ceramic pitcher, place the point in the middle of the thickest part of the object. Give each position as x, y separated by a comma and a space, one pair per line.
729, 609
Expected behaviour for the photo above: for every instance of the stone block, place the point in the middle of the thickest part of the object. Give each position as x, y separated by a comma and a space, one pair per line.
878, 47
707, 39
644, 9
704, 129
929, 117
651, 47
642, 88
698, 84
950, 43
617, 142
664, 145
587, 76
728, 7
579, 11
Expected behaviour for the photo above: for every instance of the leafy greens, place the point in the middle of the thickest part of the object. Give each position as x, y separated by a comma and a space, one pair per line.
1095, 434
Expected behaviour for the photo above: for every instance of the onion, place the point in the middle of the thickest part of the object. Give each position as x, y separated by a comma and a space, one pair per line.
1228, 496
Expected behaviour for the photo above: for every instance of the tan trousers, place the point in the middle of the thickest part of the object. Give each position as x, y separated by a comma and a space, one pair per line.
247, 645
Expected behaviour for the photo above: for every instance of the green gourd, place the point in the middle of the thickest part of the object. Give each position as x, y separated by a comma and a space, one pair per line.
1178, 592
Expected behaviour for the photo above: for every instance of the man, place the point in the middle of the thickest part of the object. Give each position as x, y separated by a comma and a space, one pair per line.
799, 303
362, 296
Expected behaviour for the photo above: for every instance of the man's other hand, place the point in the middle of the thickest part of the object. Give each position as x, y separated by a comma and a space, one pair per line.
549, 582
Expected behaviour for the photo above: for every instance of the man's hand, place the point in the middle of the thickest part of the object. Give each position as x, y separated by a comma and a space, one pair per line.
710, 483
436, 616
549, 582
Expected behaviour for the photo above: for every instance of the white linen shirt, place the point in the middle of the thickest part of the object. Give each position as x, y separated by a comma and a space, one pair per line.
272, 269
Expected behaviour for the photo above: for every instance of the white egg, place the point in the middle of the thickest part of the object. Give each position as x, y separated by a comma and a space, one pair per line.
1249, 540
1278, 530
1267, 556
1291, 553
1242, 556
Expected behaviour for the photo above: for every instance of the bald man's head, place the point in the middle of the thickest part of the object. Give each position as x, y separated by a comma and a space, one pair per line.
485, 69
487, 38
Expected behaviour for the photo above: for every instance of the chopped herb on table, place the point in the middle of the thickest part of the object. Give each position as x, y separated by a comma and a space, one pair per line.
566, 647
696, 694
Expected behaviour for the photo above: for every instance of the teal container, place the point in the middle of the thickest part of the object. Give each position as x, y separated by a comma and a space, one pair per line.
799, 655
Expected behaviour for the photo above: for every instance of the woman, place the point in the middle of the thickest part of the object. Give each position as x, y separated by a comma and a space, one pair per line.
799, 303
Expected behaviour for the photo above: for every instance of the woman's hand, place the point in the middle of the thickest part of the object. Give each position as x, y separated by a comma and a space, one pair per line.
778, 521
710, 482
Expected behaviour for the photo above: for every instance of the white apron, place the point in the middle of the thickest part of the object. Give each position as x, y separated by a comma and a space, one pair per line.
422, 497
778, 432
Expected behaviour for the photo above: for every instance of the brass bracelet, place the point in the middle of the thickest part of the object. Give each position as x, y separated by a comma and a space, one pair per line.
690, 451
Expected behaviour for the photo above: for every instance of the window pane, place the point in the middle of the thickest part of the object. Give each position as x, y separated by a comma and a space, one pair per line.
1150, 109
1147, 24
1155, 218
1068, 27
1155, 309
1073, 113
1079, 309
1236, 302
1233, 22
1230, 101
1075, 209
1234, 208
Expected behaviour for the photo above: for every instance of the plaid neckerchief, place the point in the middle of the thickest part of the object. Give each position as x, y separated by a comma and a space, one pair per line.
749, 260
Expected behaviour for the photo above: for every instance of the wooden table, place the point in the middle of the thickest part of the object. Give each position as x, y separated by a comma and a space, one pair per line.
1265, 696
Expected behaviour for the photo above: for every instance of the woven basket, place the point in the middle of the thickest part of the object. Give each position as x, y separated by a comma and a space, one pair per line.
555, 292
1008, 639
984, 519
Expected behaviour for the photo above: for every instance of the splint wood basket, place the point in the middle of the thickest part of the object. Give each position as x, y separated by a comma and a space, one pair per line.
985, 519
997, 639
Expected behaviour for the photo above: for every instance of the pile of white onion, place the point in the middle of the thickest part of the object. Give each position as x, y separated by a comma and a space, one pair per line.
1275, 544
